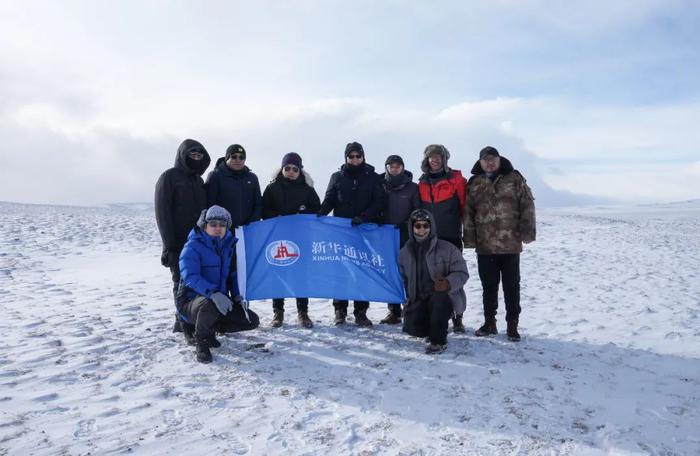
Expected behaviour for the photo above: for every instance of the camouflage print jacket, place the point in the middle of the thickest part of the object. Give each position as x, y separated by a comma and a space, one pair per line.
500, 214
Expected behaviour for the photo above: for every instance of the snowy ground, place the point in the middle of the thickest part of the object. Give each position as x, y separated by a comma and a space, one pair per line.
609, 362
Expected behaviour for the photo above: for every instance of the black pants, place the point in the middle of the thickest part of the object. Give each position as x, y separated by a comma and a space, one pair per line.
428, 318
206, 318
173, 259
360, 306
491, 269
302, 304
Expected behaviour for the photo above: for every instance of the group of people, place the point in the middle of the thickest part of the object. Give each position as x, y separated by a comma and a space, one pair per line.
437, 217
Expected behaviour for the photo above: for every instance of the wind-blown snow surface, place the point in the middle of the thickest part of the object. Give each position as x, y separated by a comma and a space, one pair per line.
609, 362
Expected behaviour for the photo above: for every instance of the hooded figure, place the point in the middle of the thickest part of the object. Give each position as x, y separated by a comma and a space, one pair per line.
434, 274
234, 186
179, 198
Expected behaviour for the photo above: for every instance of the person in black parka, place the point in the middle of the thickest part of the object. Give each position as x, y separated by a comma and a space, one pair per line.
179, 199
234, 187
354, 192
290, 192
401, 197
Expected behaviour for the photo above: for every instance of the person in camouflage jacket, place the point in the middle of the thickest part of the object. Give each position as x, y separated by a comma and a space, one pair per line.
499, 218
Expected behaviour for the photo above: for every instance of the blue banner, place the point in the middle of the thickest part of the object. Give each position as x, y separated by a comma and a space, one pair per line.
307, 256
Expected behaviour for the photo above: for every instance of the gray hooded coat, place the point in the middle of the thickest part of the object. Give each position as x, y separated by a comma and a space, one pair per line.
443, 260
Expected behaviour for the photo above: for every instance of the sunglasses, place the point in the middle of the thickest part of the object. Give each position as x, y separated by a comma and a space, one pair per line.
354, 156
237, 157
421, 226
195, 154
293, 169
217, 223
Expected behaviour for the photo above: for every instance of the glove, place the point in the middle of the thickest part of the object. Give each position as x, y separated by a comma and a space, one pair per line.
223, 304
164, 259
356, 220
169, 258
442, 284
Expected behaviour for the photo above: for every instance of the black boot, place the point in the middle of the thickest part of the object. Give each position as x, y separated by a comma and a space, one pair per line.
303, 319
213, 341
188, 331
487, 329
457, 325
277, 318
361, 318
202, 350
177, 327
340, 316
394, 315
513, 334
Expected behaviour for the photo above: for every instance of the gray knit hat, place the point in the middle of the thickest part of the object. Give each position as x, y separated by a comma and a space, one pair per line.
218, 213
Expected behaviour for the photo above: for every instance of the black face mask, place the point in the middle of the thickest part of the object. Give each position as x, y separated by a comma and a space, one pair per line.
195, 165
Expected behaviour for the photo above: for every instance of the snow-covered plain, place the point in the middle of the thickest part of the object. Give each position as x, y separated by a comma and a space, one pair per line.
609, 361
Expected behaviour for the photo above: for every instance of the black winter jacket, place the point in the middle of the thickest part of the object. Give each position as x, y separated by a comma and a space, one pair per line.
180, 196
286, 197
236, 191
357, 194
401, 197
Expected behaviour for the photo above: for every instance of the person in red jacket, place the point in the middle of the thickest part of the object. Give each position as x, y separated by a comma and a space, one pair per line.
443, 192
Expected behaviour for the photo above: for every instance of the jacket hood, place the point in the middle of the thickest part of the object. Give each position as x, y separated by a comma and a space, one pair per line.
304, 177
223, 167
433, 227
506, 167
182, 161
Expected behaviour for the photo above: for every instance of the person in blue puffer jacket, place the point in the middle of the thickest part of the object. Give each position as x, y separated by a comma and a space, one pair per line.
207, 298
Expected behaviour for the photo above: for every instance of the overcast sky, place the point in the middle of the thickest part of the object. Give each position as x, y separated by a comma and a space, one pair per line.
595, 101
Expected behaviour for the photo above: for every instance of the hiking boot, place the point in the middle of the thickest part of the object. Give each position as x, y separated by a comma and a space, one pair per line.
202, 350
304, 320
177, 327
435, 349
188, 331
213, 341
362, 320
340, 316
487, 329
391, 319
277, 318
512, 331
457, 325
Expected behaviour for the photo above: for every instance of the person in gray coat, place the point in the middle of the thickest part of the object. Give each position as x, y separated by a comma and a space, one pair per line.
434, 274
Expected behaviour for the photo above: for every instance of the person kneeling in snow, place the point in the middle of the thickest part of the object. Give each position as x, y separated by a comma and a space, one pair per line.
434, 273
208, 294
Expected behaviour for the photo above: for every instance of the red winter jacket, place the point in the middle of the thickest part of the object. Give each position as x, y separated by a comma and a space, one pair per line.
444, 197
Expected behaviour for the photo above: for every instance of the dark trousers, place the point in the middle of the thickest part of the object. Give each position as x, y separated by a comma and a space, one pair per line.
302, 304
360, 306
493, 268
429, 317
206, 318
173, 259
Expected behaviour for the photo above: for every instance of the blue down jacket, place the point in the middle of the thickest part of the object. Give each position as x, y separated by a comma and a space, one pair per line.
207, 265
